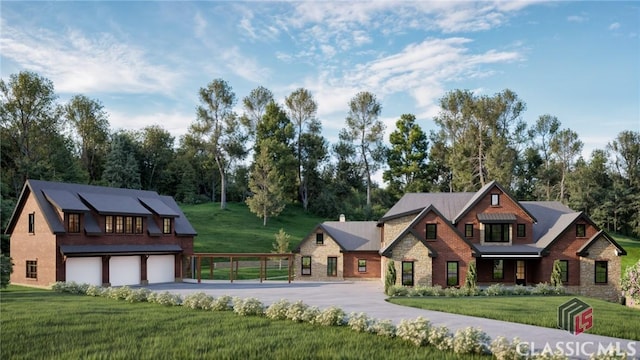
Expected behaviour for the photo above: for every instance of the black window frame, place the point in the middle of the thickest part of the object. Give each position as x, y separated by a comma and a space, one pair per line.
581, 230
407, 277
432, 229
362, 265
128, 224
495, 199
504, 234
166, 225
108, 224
449, 273
598, 270
118, 224
31, 269
468, 230
305, 266
332, 266
498, 268
32, 223
319, 238
521, 230
138, 225
73, 226
564, 270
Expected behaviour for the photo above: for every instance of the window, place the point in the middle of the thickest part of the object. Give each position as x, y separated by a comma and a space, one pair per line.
495, 199
362, 265
306, 265
581, 230
452, 273
521, 230
564, 270
166, 225
498, 269
73, 223
601, 272
332, 266
432, 231
468, 230
138, 224
128, 225
496, 232
320, 239
407, 273
32, 223
119, 225
32, 269
108, 224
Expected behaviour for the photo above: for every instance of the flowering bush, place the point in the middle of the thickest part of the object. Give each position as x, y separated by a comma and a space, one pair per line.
332, 316
138, 295
441, 338
296, 311
278, 310
502, 349
360, 322
94, 290
248, 307
118, 293
470, 340
70, 287
165, 298
495, 290
383, 328
520, 290
415, 331
547, 289
198, 300
223, 303
427, 291
631, 282
310, 314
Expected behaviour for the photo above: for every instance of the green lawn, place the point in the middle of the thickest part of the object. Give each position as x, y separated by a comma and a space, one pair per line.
632, 246
610, 319
236, 229
40, 324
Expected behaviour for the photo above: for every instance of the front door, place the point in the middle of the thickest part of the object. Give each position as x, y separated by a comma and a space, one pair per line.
521, 273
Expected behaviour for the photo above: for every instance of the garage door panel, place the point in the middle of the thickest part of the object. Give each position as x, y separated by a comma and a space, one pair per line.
84, 270
161, 269
124, 270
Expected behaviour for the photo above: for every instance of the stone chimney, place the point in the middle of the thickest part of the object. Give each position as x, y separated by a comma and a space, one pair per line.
342, 218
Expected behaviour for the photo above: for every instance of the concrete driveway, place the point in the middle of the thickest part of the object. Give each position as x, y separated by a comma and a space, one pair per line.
368, 297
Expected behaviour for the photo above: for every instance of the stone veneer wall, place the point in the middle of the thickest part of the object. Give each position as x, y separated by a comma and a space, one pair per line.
601, 250
319, 255
394, 227
411, 249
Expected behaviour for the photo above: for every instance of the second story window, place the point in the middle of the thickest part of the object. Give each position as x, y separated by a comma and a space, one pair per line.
432, 231
495, 199
128, 225
496, 232
581, 230
521, 230
468, 230
166, 225
32, 223
108, 224
119, 225
73, 223
138, 224
320, 239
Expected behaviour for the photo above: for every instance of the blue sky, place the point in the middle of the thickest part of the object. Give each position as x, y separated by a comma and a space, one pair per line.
145, 61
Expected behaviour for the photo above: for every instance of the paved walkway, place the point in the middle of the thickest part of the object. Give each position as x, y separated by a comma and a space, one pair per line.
368, 297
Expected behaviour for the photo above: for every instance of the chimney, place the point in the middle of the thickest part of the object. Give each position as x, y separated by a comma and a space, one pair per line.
342, 218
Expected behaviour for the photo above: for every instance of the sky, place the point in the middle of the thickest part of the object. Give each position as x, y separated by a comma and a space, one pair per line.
145, 61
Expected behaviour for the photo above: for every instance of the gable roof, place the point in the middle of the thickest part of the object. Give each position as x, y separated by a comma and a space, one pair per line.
54, 196
448, 204
351, 235
583, 251
481, 194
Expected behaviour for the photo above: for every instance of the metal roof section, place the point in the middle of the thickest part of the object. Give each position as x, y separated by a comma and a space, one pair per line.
91, 226
449, 204
158, 207
65, 201
496, 218
109, 204
182, 226
354, 235
512, 251
86, 250
152, 228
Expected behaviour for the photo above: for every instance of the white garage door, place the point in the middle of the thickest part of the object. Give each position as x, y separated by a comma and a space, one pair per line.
161, 269
84, 270
124, 270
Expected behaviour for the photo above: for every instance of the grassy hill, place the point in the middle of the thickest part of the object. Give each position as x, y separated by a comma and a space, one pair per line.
236, 229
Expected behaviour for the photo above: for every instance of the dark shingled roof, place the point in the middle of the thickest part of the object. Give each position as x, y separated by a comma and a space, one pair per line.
65, 200
354, 235
158, 207
111, 204
489, 218
449, 204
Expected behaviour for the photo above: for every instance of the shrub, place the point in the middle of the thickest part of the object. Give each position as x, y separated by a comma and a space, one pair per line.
470, 340
631, 282
455, 292
471, 280
332, 316
165, 298
556, 274
390, 277
70, 287
118, 293
138, 295
611, 354
384, 328
296, 312
278, 310
223, 303
94, 290
495, 290
248, 307
397, 290
520, 290
503, 350
415, 331
6, 268
546, 289
198, 301
360, 322
310, 314
441, 338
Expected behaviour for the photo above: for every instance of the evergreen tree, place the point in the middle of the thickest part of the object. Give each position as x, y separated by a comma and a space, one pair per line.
121, 166
265, 182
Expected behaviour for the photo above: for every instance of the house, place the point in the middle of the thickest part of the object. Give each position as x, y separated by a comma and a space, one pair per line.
432, 238
96, 235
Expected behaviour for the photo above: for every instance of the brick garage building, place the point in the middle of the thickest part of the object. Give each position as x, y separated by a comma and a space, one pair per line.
432, 238
96, 235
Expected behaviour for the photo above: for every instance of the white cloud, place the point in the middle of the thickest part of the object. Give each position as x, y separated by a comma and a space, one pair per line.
200, 25
76, 62
614, 26
578, 18
244, 66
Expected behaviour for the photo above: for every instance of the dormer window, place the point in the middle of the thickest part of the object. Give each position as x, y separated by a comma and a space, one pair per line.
128, 225
138, 224
119, 225
497, 233
495, 199
166, 225
73, 223
108, 224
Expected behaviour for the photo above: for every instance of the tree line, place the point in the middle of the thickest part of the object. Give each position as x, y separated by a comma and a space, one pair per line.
274, 154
